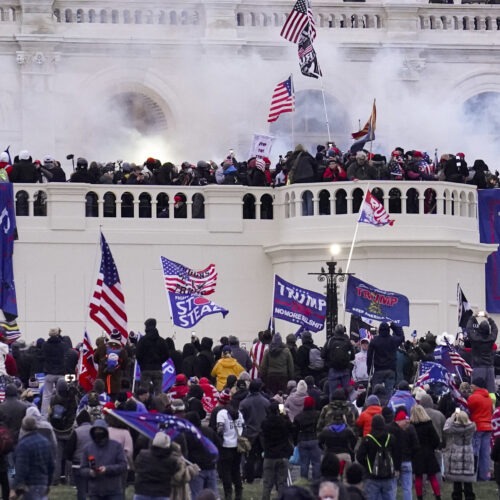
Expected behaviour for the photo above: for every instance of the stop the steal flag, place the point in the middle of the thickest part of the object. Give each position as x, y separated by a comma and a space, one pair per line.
188, 309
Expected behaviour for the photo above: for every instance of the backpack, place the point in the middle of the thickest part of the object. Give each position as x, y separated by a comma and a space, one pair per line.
93, 406
383, 465
316, 362
112, 362
338, 354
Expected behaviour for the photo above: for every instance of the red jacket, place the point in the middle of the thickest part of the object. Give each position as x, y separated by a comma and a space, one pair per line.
481, 409
365, 419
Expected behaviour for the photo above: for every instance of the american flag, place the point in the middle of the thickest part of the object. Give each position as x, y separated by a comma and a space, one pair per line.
181, 279
9, 331
373, 212
301, 18
457, 360
107, 305
283, 100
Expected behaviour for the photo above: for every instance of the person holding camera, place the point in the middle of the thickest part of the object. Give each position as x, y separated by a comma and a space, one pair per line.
482, 332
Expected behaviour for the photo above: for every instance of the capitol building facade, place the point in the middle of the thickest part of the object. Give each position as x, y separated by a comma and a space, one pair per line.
190, 80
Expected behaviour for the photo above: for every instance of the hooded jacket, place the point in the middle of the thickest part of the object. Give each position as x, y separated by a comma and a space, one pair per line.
482, 337
404, 399
364, 421
295, 401
438, 419
481, 409
277, 362
459, 454
382, 349
223, 368
151, 351
54, 350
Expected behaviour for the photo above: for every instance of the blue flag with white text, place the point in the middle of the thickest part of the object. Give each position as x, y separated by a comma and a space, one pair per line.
370, 302
187, 310
169, 374
8, 301
298, 305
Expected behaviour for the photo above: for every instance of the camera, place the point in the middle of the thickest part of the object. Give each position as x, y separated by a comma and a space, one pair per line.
70, 377
481, 314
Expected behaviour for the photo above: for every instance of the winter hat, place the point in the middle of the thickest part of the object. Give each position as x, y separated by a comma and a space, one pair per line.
244, 376
28, 424
24, 155
388, 414
225, 397
484, 328
301, 387
11, 391
338, 395
150, 323
115, 334
226, 349
384, 328
161, 440
309, 402
277, 339
54, 331
372, 400
4, 156
255, 386
177, 198
291, 384
181, 379
177, 405
241, 384
378, 423
479, 382
401, 415
354, 474
419, 393
404, 385
291, 339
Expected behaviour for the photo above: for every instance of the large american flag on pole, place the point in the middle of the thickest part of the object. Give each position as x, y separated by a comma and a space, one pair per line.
107, 305
182, 280
283, 100
300, 19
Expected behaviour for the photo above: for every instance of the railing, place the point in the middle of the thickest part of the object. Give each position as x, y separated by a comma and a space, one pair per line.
185, 202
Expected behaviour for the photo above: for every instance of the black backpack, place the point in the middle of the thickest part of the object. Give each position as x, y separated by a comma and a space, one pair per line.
338, 354
383, 465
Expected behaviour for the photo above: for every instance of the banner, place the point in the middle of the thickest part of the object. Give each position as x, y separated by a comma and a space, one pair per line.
8, 301
187, 310
370, 302
489, 232
298, 305
261, 146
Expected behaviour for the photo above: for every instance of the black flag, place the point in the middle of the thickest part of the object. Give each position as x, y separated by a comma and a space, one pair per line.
464, 309
308, 61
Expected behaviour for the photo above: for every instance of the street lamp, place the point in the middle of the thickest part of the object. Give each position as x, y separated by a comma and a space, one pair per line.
331, 276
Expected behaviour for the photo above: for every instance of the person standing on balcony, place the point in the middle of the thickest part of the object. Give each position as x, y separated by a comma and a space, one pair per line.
359, 169
23, 170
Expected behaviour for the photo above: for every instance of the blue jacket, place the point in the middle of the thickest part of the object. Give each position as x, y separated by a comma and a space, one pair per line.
34, 461
402, 398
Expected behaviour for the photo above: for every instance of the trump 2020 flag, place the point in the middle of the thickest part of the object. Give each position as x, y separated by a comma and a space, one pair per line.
169, 374
298, 305
370, 302
8, 301
187, 310
373, 212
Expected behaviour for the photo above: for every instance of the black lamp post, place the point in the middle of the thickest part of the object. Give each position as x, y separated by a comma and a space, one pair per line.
332, 276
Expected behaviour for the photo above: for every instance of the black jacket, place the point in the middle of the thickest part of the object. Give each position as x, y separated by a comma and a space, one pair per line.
424, 461
24, 171
302, 167
154, 469
305, 425
382, 349
368, 449
151, 351
482, 337
277, 435
54, 353
341, 440
407, 440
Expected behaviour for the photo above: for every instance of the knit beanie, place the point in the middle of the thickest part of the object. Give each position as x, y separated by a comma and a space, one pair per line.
372, 400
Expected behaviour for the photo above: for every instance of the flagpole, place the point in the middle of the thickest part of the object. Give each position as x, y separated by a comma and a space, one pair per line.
135, 371
326, 113
293, 113
96, 256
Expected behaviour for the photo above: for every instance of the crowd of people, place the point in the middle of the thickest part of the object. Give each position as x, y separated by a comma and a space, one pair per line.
352, 415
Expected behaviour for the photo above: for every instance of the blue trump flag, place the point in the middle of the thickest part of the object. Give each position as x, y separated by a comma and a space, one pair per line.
370, 302
298, 305
188, 309
8, 301
148, 424
432, 373
489, 232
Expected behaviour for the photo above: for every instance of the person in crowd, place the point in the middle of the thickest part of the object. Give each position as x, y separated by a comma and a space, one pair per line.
294, 403
438, 419
482, 333
459, 455
382, 355
402, 398
305, 436
481, 412
309, 359
205, 360
276, 435
54, 351
291, 345
354, 479
380, 482
180, 388
151, 353
338, 353
229, 427
34, 464
257, 352
24, 170
239, 354
12, 410
407, 446
360, 169
495, 456
224, 367
330, 473
359, 369
277, 366
103, 463
424, 461
223, 400
154, 469
372, 408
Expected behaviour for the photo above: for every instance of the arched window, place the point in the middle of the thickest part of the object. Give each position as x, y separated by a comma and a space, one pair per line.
162, 18
104, 16
138, 17
184, 17
57, 15
173, 17
127, 205
249, 206
253, 19
92, 16
276, 19
394, 201
162, 206
80, 16
127, 18
22, 204
91, 205
198, 207
180, 206
378, 194
240, 19
430, 201
357, 198
114, 17
109, 204
341, 202
196, 18
68, 14
266, 207
145, 206
149, 17
40, 204
412, 202
324, 202
287, 206
307, 203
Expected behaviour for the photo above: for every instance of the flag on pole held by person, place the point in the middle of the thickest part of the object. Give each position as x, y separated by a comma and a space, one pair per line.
308, 60
359, 328
464, 309
188, 309
299, 20
457, 360
283, 100
87, 370
107, 305
373, 212
148, 424
182, 280
367, 133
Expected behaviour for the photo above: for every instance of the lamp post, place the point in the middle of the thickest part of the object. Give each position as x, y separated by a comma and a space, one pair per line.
331, 276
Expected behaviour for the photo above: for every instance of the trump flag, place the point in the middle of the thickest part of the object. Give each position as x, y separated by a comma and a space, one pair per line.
187, 310
370, 302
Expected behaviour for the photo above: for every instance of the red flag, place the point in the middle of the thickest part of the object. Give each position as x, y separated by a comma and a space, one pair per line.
87, 371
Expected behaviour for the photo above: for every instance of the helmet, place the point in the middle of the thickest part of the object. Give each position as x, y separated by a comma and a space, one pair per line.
82, 163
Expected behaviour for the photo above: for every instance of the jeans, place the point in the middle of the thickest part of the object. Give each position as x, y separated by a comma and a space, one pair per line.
482, 448
154, 378
380, 489
336, 378
406, 480
206, 479
36, 492
386, 377
310, 453
48, 391
148, 497
275, 473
